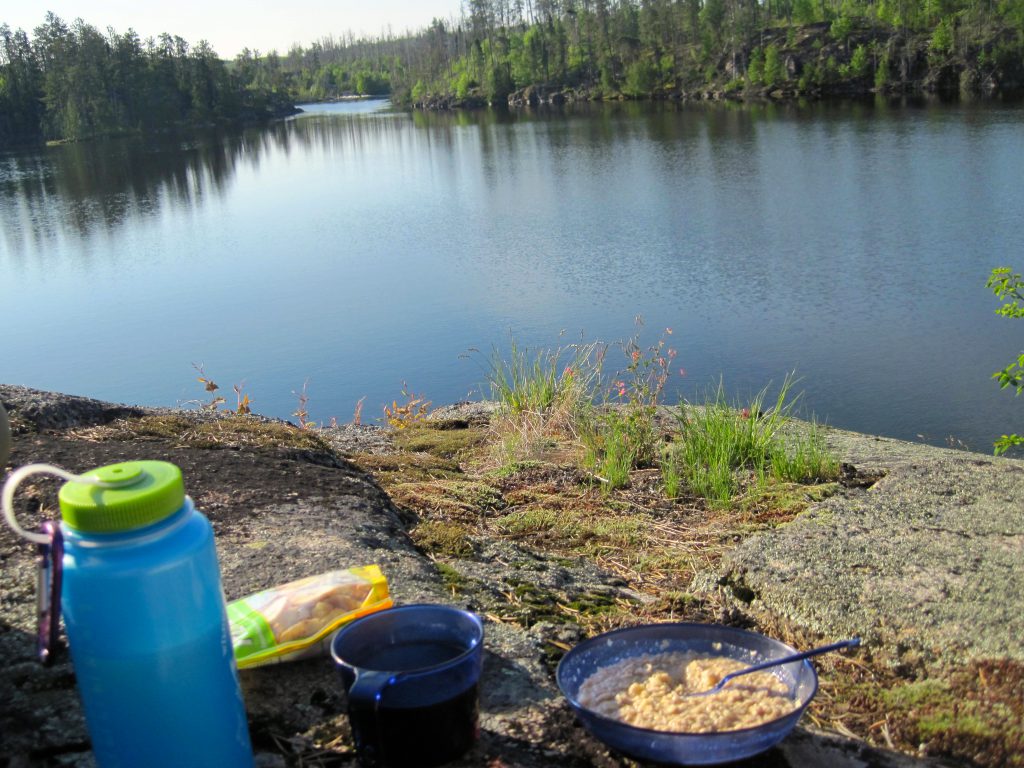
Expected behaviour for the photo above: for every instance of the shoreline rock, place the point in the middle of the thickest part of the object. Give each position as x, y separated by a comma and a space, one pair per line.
279, 514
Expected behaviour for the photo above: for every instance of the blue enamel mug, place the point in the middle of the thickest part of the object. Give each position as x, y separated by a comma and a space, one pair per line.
412, 676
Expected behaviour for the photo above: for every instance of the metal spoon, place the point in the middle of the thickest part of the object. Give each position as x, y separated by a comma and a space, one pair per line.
852, 643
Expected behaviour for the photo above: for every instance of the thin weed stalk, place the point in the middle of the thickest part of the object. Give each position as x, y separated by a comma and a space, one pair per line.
611, 451
671, 477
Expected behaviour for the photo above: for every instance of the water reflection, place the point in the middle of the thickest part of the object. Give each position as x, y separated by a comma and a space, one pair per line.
849, 242
78, 189
75, 190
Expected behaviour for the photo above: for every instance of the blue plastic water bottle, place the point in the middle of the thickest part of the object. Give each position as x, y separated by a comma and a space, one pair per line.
146, 624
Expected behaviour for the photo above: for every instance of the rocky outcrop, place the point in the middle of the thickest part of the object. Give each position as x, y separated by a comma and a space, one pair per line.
282, 514
923, 559
473, 100
535, 95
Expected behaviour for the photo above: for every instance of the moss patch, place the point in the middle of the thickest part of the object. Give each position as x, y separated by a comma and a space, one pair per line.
234, 431
450, 499
973, 713
569, 528
539, 520
395, 469
981, 717
453, 581
443, 538
439, 439
911, 695
779, 502
526, 603
618, 532
513, 468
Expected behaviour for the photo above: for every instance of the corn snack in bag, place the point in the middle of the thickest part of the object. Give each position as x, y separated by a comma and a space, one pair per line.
296, 620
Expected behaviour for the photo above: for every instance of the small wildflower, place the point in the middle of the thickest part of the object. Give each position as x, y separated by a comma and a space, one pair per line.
745, 413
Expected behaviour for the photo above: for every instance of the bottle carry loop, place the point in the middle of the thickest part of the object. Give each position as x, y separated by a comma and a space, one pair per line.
50, 544
20, 474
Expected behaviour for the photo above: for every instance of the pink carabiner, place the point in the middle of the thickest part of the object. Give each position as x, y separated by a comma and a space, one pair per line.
50, 565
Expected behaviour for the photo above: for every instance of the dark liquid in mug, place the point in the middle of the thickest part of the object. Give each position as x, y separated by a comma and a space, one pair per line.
416, 736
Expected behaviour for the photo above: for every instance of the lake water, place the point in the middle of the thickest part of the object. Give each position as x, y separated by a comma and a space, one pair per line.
355, 248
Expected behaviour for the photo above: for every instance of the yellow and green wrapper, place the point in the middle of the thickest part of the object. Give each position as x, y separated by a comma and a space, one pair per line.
298, 619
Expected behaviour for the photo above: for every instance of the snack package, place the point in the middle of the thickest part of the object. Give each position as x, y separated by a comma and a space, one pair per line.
298, 619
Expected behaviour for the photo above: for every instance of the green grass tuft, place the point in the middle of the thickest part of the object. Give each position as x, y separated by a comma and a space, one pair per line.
718, 440
805, 459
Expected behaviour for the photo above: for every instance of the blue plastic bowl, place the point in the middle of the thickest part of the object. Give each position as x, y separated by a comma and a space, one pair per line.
705, 639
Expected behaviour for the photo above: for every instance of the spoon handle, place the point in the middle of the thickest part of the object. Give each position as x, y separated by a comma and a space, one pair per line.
852, 643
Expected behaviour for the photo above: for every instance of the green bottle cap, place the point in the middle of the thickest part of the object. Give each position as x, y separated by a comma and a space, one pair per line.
146, 493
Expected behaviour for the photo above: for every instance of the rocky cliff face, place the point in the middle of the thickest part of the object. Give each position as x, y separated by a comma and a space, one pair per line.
817, 62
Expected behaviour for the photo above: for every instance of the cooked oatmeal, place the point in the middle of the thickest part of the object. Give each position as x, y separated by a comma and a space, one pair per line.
652, 691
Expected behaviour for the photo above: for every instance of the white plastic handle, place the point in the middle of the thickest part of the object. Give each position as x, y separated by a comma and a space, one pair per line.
39, 469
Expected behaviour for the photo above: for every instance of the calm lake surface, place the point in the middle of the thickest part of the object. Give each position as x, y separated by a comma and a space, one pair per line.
357, 248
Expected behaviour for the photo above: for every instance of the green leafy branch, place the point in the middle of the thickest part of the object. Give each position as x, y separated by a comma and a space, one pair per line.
1008, 286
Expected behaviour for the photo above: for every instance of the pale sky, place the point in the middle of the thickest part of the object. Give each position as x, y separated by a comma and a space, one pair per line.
230, 25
